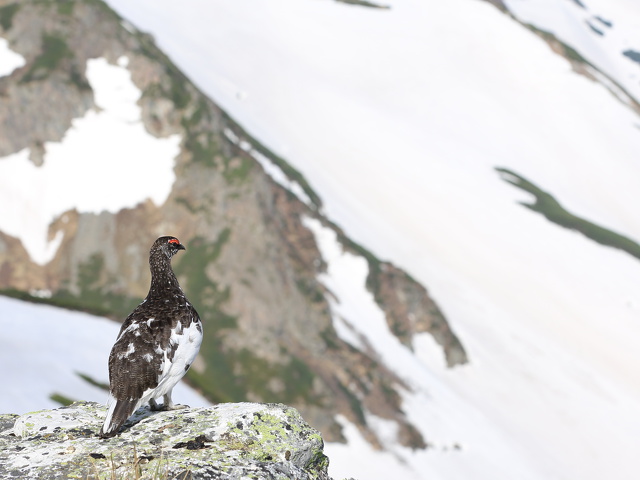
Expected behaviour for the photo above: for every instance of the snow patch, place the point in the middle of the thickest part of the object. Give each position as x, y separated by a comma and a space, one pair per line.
358, 457
106, 161
358, 320
9, 60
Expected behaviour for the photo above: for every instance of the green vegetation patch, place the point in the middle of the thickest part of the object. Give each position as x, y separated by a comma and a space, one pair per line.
231, 375
363, 3
192, 268
290, 172
354, 403
6, 15
311, 289
237, 169
203, 147
65, 7
566, 50
632, 55
296, 377
553, 211
54, 51
202, 143
61, 399
177, 91
92, 381
65, 299
96, 292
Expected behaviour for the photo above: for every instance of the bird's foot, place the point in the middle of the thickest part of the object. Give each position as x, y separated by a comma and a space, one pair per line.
154, 406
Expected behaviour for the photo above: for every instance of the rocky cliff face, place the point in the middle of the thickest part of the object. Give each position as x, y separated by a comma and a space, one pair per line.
230, 441
252, 266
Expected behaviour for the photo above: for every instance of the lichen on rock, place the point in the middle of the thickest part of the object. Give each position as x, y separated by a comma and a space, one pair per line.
226, 441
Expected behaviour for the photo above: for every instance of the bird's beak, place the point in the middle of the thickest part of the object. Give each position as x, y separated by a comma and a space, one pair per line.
180, 247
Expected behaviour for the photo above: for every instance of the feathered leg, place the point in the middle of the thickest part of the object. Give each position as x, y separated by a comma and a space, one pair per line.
167, 403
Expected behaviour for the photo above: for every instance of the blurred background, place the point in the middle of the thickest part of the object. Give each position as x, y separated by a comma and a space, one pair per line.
415, 221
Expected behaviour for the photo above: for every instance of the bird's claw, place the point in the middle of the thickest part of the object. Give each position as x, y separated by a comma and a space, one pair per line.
165, 408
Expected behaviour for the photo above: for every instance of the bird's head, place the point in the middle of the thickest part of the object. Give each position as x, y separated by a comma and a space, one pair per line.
167, 245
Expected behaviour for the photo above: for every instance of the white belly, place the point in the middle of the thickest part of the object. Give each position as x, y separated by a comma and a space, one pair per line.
188, 343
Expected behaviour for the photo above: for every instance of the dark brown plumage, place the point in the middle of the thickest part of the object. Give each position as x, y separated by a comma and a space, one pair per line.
157, 343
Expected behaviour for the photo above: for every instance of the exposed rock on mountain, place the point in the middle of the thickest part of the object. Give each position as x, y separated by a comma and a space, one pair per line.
229, 441
251, 266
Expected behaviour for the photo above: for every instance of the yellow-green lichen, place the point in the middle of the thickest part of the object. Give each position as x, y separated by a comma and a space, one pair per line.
226, 441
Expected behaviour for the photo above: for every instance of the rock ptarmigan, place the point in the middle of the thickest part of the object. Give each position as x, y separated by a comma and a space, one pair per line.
156, 345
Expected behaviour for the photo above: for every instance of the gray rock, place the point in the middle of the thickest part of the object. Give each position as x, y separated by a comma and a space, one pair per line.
227, 441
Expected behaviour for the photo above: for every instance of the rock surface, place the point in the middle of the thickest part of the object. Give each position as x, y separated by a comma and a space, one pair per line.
227, 441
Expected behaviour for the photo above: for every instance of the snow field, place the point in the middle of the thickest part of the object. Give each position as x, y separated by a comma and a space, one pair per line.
618, 30
106, 161
9, 60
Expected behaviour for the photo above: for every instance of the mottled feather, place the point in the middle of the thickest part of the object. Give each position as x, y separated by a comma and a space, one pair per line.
156, 345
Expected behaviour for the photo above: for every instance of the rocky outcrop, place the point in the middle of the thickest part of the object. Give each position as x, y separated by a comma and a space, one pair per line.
17, 271
410, 310
227, 441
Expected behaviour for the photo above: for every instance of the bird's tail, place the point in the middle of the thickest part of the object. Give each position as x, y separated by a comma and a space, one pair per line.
118, 413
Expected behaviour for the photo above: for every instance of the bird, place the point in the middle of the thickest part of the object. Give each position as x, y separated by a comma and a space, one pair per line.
157, 344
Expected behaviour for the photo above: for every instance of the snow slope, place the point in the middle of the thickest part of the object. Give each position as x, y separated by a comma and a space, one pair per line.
85, 169
43, 349
526, 407
398, 118
605, 33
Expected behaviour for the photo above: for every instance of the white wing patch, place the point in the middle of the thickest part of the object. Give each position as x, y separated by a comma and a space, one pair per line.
131, 328
176, 331
130, 349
